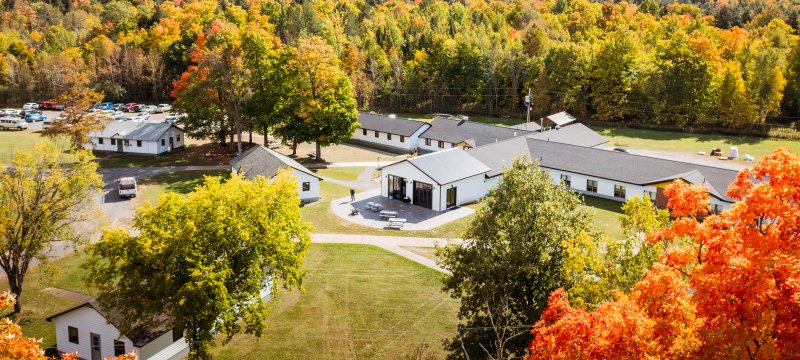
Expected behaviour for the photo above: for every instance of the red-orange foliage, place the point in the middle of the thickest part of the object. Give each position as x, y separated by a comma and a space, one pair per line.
12, 344
728, 287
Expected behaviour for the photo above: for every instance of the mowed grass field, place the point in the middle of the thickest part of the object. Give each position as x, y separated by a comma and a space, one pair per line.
11, 141
181, 182
360, 302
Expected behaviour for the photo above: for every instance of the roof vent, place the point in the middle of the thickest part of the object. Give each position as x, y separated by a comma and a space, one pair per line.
392, 116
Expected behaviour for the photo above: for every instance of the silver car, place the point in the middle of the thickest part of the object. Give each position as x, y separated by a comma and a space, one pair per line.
13, 123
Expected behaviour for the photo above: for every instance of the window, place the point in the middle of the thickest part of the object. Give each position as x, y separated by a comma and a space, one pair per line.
428, 142
177, 334
178, 137
566, 181
716, 208
73, 334
591, 185
113, 141
388, 136
651, 195
619, 191
441, 144
306, 186
100, 141
364, 132
163, 142
377, 134
119, 348
126, 142
402, 138
138, 143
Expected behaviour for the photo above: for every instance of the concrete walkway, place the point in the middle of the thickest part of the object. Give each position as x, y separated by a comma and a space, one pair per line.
362, 183
389, 243
342, 207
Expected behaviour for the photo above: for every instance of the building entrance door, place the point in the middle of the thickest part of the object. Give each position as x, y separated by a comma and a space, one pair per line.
452, 194
119, 145
397, 187
423, 194
95, 344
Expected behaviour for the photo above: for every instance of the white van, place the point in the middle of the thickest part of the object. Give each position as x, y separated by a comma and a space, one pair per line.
127, 187
15, 123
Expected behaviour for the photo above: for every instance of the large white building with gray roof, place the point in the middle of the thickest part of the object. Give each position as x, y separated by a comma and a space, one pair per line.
137, 137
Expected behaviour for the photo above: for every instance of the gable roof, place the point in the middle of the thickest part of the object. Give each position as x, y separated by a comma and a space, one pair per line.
530, 126
388, 124
500, 155
447, 166
458, 130
141, 336
261, 161
129, 130
561, 118
575, 134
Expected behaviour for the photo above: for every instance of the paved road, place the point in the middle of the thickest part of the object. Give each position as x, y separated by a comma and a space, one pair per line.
389, 243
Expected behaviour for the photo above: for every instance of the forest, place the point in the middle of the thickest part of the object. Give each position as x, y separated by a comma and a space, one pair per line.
725, 63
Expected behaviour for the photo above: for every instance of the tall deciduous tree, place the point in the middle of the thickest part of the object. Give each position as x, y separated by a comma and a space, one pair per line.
206, 260
726, 287
322, 102
511, 260
44, 197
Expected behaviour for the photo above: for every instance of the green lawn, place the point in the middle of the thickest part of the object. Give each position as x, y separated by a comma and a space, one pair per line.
692, 143
606, 215
360, 302
342, 173
11, 141
427, 252
181, 182
37, 305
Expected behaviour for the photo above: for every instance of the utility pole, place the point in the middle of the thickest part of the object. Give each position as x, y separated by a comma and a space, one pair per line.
528, 108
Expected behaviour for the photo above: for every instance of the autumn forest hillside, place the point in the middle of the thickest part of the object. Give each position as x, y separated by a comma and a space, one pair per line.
710, 63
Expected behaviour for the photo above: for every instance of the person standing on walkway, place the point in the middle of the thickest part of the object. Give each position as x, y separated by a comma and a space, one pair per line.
352, 195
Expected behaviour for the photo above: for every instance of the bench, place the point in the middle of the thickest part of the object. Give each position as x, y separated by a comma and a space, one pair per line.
374, 206
388, 214
396, 223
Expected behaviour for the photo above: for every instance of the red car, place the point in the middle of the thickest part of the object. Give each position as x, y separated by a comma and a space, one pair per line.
129, 107
51, 105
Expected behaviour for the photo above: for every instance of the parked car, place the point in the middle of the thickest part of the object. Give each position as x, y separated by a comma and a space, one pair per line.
47, 124
162, 108
105, 106
118, 115
175, 118
15, 123
127, 187
129, 107
621, 150
142, 116
51, 105
10, 112
30, 106
34, 116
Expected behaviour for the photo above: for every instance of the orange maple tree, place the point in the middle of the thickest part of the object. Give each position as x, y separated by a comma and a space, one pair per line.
727, 286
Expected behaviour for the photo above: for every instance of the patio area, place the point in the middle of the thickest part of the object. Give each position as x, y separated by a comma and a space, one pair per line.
416, 217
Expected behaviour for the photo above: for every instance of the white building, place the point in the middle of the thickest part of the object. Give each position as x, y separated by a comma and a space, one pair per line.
137, 137
388, 132
92, 333
591, 171
261, 161
436, 181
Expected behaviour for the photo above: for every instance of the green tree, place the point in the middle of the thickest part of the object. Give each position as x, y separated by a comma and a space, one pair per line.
204, 260
734, 105
633, 255
47, 197
510, 261
612, 76
322, 104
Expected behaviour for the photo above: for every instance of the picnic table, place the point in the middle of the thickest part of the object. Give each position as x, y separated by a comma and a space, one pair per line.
374, 206
396, 223
388, 214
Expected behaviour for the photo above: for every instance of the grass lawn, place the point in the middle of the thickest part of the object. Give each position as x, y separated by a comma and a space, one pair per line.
11, 141
341, 173
427, 252
360, 302
37, 305
692, 143
181, 182
606, 212
325, 221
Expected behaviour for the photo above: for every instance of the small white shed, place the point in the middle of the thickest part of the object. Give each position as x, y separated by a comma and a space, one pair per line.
261, 161
137, 137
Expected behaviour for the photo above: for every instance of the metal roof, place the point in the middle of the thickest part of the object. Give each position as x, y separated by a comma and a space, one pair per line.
561, 118
606, 164
530, 126
130, 130
387, 124
447, 166
575, 134
261, 161
458, 130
